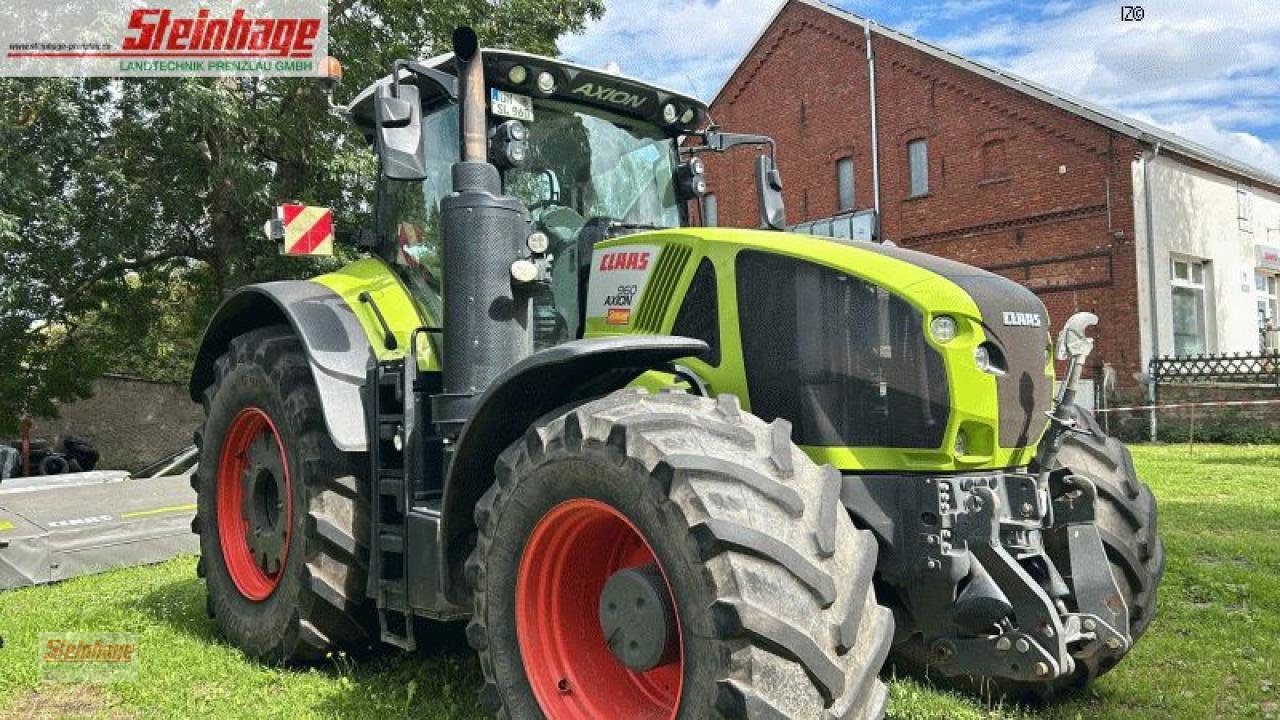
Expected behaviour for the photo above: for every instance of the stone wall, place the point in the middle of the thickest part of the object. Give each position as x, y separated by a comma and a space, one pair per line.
132, 422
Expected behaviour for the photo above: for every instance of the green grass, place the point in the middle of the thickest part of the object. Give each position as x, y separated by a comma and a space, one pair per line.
1213, 651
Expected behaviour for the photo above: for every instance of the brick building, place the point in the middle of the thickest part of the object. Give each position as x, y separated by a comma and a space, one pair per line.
981, 166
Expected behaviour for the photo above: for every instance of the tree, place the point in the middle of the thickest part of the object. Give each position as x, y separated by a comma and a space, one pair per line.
118, 196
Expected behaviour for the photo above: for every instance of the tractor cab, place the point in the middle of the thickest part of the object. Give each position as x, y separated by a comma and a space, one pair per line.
590, 155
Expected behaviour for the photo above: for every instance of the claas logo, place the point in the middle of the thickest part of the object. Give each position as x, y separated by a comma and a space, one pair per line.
624, 261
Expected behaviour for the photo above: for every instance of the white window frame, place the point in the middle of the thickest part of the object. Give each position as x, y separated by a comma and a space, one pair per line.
1195, 275
1244, 208
841, 164
923, 188
1267, 290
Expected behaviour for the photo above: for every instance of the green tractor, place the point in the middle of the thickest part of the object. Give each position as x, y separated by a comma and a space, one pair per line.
665, 471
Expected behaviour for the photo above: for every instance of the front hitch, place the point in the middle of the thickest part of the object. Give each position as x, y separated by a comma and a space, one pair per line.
1074, 346
1037, 597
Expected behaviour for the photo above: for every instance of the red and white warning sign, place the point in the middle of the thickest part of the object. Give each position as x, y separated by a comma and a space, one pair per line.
409, 237
307, 230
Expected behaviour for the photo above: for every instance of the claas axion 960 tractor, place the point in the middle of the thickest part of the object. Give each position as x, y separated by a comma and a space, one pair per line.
665, 471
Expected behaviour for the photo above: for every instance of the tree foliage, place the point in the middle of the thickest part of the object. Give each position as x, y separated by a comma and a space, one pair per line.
128, 208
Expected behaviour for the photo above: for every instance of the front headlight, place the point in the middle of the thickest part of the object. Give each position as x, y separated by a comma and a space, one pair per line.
943, 328
988, 359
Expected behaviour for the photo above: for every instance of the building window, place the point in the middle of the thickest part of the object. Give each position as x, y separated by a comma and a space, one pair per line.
710, 210
918, 161
1189, 311
1268, 286
1244, 208
844, 184
994, 162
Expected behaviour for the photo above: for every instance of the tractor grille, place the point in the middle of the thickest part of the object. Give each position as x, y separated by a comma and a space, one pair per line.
657, 294
1025, 392
844, 360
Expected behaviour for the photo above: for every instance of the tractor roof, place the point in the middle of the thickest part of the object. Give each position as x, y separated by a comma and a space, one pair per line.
574, 83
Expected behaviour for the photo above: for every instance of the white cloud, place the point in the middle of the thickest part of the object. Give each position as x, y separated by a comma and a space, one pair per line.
1208, 72
686, 46
1242, 145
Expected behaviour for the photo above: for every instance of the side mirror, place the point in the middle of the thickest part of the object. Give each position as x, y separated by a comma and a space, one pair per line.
399, 121
773, 214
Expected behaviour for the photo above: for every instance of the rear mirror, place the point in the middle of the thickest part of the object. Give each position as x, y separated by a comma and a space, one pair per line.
773, 214
394, 112
399, 119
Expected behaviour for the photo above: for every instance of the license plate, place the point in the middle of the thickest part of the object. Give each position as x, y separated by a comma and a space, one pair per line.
511, 105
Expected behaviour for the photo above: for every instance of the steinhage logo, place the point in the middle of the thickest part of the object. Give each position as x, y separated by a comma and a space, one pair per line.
154, 29
146, 38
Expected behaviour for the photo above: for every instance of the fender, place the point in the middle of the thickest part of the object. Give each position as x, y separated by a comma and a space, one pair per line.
556, 377
336, 345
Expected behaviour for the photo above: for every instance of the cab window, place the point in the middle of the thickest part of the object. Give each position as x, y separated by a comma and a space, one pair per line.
409, 211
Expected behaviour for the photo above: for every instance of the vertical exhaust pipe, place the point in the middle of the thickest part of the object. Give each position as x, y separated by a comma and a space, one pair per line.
466, 52
485, 322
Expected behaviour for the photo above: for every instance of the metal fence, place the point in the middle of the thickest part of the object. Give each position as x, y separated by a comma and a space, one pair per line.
1236, 368
1236, 371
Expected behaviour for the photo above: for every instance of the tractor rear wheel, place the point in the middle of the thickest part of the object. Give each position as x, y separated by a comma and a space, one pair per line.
282, 513
670, 556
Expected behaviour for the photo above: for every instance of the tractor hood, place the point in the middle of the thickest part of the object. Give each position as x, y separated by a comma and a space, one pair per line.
844, 340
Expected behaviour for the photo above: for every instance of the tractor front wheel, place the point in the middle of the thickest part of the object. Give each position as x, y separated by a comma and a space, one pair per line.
669, 556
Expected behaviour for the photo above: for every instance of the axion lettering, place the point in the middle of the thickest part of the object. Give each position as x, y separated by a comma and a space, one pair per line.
1022, 319
610, 95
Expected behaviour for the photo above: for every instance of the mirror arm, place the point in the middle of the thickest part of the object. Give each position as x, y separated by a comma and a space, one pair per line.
717, 141
447, 83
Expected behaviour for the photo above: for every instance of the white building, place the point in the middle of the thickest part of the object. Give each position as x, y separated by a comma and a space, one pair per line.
1216, 259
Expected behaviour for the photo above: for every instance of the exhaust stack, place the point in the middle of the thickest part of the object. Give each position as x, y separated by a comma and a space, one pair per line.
486, 323
466, 52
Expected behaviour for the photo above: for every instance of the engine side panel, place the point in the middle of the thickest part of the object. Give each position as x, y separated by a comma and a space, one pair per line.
999, 415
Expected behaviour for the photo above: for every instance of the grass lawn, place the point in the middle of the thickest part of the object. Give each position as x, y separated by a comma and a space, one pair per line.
1213, 651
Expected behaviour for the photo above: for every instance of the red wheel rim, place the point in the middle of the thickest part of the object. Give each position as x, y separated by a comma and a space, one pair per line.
255, 504
572, 552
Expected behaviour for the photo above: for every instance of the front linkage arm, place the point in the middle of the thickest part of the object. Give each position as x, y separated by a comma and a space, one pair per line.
1075, 346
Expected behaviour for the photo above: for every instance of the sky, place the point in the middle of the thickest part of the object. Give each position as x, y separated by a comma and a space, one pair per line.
1208, 71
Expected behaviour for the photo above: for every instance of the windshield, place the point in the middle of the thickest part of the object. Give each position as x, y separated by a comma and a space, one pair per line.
586, 177
596, 167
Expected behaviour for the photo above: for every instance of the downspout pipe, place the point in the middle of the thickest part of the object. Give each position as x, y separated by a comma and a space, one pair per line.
1153, 294
875, 128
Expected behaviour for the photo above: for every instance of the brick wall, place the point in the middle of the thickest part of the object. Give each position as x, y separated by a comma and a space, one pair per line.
1056, 214
131, 422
